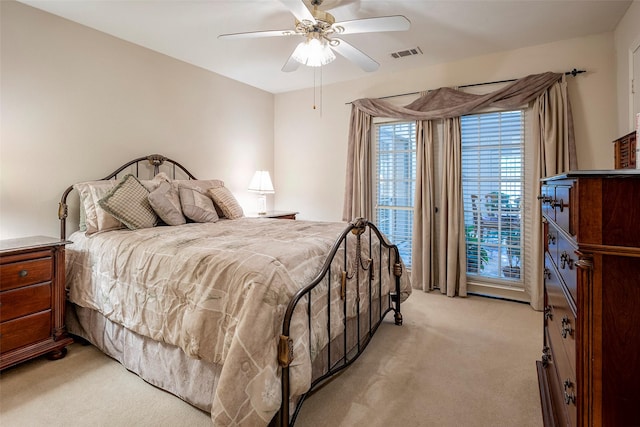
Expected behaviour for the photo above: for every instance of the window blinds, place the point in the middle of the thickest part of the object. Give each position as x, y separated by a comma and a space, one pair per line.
395, 183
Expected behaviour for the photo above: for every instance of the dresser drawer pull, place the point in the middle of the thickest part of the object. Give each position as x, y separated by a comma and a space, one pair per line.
546, 356
23, 273
551, 239
547, 273
569, 397
558, 204
566, 261
566, 327
544, 199
547, 313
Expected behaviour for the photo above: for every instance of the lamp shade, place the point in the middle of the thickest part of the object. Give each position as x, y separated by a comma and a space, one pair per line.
261, 182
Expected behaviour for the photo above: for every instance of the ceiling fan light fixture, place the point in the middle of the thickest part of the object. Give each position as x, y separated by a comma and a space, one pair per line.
313, 52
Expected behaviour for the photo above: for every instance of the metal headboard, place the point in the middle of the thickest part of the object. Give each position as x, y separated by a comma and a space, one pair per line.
155, 160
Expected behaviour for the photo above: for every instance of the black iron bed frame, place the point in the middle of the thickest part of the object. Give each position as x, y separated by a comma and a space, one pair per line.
363, 265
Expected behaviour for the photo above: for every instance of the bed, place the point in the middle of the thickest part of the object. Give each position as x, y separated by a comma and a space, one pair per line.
228, 313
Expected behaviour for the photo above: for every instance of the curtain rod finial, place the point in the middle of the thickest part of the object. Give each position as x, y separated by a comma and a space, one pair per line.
575, 72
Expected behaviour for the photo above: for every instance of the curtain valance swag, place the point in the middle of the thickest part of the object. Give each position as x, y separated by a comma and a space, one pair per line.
445, 103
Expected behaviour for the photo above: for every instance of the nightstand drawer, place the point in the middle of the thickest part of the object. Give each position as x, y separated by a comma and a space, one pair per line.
27, 272
25, 330
23, 301
32, 301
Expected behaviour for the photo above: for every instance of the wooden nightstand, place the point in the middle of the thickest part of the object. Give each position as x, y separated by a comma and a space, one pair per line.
275, 214
32, 299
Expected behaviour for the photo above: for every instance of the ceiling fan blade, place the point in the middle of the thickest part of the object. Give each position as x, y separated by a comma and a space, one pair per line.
299, 10
355, 55
370, 25
291, 64
257, 34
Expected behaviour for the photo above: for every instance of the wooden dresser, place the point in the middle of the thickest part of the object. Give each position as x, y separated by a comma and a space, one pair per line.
625, 151
589, 374
32, 298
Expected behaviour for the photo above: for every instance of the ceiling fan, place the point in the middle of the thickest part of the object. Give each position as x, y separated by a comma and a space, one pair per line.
320, 30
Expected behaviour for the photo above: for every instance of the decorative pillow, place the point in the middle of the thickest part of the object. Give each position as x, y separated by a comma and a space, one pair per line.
224, 199
152, 184
95, 218
165, 201
201, 185
129, 202
197, 206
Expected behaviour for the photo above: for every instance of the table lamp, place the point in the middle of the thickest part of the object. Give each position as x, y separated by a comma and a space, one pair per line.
261, 184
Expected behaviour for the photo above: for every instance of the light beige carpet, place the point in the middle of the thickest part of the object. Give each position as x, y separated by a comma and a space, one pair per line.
455, 362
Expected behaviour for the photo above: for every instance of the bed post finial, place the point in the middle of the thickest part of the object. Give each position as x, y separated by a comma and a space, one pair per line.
62, 210
156, 160
359, 224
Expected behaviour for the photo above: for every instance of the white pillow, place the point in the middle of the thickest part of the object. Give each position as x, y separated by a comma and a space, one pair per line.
95, 218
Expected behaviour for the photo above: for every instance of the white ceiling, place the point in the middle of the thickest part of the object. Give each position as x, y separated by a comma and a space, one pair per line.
444, 30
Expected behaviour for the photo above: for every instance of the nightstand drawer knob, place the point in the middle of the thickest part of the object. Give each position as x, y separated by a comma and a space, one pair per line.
23, 273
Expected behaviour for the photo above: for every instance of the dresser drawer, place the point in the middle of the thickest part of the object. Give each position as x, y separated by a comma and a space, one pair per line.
561, 207
547, 195
551, 242
25, 330
28, 272
556, 390
565, 393
560, 320
25, 300
566, 263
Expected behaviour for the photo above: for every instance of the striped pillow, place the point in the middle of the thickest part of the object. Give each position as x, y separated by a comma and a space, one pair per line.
129, 203
197, 206
224, 199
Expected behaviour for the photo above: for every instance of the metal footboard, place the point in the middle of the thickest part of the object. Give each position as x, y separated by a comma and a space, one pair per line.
373, 266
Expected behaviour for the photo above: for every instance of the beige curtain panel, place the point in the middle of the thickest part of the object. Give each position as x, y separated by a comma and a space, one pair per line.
447, 103
554, 137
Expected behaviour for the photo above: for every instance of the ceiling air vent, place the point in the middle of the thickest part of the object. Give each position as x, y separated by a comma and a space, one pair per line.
408, 52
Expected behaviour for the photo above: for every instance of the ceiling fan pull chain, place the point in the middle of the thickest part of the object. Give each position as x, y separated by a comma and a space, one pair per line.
320, 91
317, 78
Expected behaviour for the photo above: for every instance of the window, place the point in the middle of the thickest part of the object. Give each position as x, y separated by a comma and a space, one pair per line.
395, 183
492, 181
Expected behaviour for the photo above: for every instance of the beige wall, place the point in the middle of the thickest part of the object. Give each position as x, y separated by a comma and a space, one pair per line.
311, 145
626, 39
76, 103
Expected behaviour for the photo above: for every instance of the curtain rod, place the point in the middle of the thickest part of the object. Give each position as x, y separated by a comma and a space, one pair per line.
573, 73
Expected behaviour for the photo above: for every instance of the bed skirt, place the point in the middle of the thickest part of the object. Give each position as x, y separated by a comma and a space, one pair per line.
163, 365
167, 367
